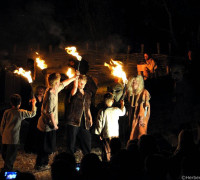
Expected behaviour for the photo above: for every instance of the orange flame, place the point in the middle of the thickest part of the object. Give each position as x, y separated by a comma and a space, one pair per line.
70, 72
26, 74
73, 52
116, 68
40, 63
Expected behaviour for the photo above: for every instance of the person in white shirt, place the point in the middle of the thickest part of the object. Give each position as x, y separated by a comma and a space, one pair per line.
107, 125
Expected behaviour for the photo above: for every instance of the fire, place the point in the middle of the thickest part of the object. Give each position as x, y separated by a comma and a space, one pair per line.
73, 52
26, 74
70, 72
116, 68
40, 63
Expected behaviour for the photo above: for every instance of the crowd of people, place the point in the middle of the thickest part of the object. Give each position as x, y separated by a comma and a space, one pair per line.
143, 157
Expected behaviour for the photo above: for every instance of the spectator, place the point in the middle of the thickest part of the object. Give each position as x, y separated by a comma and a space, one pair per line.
64, 167
186, 148
91, 167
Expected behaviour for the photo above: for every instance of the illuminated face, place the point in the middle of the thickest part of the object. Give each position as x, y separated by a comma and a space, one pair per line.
146, 57
81, 84
135, 85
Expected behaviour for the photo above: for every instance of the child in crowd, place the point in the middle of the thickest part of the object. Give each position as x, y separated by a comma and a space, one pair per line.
107, 125
10, 129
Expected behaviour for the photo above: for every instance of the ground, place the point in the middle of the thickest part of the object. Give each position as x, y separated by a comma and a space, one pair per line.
25, 162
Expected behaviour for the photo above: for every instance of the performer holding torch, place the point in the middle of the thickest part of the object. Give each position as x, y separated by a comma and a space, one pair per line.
48, 121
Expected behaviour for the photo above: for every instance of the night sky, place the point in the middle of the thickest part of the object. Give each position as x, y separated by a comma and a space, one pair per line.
121, 23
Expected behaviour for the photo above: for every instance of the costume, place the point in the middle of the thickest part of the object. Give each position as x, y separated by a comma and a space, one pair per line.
107, 122
10, 129
78, 121
46, 134
137, 105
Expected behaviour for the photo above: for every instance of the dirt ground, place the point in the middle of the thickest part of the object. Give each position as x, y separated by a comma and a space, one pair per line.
26, 162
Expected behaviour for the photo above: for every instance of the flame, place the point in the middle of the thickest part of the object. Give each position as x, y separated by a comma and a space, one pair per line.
40, 63
116, 68
70, 72
73, 52
26, 74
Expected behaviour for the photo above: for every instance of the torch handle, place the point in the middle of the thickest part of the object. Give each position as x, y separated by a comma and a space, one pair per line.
124, 91
78, 65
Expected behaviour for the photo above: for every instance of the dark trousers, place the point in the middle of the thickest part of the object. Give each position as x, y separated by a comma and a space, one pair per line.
46, 144
83, 136
9, 154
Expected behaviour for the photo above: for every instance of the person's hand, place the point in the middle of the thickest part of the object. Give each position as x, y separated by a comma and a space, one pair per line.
91, 122
33, 101
141, 121
122, 103
77, 74
55, 127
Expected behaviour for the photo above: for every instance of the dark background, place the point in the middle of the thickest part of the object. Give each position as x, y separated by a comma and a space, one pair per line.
121, 23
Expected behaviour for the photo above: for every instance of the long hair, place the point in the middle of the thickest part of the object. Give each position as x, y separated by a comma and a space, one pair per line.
140, 88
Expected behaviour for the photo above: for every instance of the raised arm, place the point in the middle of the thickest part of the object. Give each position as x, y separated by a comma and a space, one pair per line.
68, 81
75, 87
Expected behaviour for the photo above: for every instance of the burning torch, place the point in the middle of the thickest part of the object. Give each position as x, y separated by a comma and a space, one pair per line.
27, 74
40, 62
116, 68
73, 52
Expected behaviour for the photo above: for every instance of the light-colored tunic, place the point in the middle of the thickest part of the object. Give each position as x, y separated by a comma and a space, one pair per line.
11, 124
49, 106
107, 122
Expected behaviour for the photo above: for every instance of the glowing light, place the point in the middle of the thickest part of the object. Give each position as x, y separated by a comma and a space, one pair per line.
70, 72
26, 74
73, 52
116, 68
40, 63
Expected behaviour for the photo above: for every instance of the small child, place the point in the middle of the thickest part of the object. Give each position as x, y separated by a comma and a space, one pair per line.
10, 129
107, 125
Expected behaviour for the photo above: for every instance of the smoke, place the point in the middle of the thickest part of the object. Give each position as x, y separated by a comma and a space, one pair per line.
57, 31
113, 44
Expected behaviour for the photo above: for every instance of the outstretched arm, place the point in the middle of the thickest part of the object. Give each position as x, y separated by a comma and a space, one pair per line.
68, 81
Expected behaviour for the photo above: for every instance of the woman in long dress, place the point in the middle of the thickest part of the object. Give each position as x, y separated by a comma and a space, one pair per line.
139, 107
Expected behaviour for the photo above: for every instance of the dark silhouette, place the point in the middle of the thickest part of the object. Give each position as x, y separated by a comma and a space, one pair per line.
64, 167
91, 167
186, 150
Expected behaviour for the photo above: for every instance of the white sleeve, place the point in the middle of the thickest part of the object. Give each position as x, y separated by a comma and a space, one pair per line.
100, 122
120, 112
